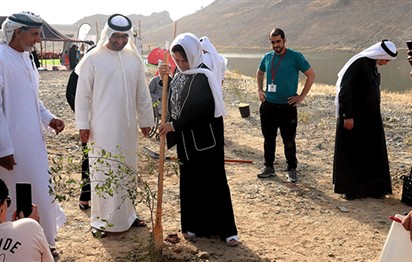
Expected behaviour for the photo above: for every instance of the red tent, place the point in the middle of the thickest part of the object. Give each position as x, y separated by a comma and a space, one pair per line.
159, 54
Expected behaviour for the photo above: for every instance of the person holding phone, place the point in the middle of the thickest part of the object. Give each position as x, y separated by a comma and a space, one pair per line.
24, 119
21, 239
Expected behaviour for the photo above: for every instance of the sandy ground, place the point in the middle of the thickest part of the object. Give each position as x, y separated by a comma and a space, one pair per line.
277, 221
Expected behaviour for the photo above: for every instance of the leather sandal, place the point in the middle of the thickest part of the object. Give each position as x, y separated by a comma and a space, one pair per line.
84, 206
54, 252
139, 223
98, 233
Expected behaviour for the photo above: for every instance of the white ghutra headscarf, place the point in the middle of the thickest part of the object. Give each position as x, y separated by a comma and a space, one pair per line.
382, 50
16, 21
194, 53
116, 23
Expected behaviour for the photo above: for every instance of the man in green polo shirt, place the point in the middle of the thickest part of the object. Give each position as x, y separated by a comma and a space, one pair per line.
279, 99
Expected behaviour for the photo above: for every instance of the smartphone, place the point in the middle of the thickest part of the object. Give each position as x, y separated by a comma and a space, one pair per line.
23, 198
409, 44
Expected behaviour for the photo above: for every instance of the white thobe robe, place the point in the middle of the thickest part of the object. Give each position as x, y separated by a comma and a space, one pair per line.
112, 99
23, 118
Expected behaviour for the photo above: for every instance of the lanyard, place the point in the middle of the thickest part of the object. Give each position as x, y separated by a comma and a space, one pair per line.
274, 70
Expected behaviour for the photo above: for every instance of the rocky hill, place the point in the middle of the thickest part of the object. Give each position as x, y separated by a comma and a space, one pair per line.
147, 23
309, 24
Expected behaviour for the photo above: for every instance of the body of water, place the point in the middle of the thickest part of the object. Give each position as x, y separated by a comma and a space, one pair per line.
394, 76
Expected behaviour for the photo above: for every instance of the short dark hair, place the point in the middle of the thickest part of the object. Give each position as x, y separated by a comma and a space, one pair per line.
4, 191
179, 49
276, 32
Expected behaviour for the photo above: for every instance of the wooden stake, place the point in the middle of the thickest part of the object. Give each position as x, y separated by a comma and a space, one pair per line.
158, 227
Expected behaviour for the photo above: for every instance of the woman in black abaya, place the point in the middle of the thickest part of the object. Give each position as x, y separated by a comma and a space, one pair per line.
195, 124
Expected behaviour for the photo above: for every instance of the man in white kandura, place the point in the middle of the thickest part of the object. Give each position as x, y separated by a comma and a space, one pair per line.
112, 100
23, 119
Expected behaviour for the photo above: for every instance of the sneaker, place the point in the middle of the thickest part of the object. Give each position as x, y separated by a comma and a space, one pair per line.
232, 241
266, 172
292, 176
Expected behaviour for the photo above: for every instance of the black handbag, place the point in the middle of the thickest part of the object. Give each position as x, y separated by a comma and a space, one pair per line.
407, 189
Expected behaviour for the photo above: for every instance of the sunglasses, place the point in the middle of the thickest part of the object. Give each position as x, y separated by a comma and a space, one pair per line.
8, 201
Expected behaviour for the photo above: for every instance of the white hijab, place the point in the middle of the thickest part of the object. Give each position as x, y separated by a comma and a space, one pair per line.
381, 50
16, 21
193, 49
219, 62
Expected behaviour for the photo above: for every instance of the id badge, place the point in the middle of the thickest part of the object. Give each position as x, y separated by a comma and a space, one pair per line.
271, 88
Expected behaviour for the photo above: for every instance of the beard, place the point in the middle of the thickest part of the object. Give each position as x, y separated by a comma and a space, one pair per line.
27, 48
278, 50
116, 46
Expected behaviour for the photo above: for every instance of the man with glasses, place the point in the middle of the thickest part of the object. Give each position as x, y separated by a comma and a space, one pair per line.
22, 239
279, 100
112, 101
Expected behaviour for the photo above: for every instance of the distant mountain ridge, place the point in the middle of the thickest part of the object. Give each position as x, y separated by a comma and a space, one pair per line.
97, 22
308, 24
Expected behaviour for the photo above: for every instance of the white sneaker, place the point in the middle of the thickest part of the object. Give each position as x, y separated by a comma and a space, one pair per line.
232, 241
189, 235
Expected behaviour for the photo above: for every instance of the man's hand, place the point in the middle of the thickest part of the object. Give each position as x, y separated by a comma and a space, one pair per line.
262, 95
145, 130
295, 100
7, 162
84, 135
57, 125
348, 123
